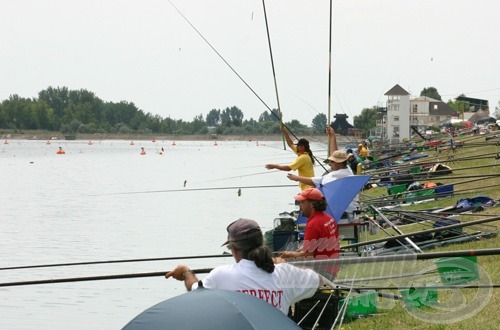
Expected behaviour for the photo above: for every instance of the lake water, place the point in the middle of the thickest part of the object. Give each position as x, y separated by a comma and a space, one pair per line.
105, 201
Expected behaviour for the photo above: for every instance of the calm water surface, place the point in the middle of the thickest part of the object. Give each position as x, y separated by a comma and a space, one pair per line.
105, 201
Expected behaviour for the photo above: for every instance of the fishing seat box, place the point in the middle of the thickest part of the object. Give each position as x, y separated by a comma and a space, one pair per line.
301, 308
360, 304
443, 191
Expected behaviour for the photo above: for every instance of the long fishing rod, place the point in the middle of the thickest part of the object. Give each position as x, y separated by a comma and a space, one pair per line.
198, 189
400, 196
405, 193
404, 178
224, 60
407, 167
430, 160
428, 220
398, 257
407, 239
431, 287
345, 261
97, 278
115, 261
426, 162
426, 231
236, 73
329, 70
274, 72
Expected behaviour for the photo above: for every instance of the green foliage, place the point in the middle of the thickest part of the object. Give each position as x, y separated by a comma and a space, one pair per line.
81, 111
367, 119
431, 92
319, 123
213, 117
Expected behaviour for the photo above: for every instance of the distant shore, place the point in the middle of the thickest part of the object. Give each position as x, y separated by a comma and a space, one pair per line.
44, 135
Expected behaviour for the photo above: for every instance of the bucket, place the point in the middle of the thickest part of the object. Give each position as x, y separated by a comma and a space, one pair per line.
457, 270
419, 297
362, 304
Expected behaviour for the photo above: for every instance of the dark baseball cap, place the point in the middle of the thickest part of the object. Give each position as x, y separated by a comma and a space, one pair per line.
242, 229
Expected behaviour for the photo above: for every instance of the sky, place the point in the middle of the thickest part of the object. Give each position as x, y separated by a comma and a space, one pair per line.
145, 52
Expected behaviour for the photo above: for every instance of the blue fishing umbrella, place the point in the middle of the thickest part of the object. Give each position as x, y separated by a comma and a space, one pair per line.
212, 309
340, 193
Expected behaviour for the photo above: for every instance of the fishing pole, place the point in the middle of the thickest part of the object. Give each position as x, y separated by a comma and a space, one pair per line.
400, 196
227, 63
329, 70
274, 72
407, 239
426, 161
97, 278
234, 71
399, 257
446, 193
410, 166
428, 220
430, 287
427, 231
115, 261
404, 178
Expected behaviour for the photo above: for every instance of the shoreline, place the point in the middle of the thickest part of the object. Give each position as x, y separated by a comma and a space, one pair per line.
39, 135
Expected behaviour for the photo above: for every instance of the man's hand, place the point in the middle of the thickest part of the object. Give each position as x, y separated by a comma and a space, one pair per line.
179, 273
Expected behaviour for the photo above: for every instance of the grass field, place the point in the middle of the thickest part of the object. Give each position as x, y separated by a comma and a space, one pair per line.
457, 308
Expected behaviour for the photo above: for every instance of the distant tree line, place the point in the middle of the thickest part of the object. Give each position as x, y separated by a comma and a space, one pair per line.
81, 111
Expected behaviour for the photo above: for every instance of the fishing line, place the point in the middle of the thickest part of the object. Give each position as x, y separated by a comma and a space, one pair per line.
195, 189
237, 177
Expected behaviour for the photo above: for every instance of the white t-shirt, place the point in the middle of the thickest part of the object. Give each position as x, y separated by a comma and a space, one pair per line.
281, 288
334, 175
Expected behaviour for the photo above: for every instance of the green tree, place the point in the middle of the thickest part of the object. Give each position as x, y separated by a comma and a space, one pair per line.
459, 106
319, 122
431, 92
213, 117
367, 119
231, 117
273, 116
198, 125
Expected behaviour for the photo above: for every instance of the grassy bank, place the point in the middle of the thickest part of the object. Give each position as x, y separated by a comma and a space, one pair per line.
487, 317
